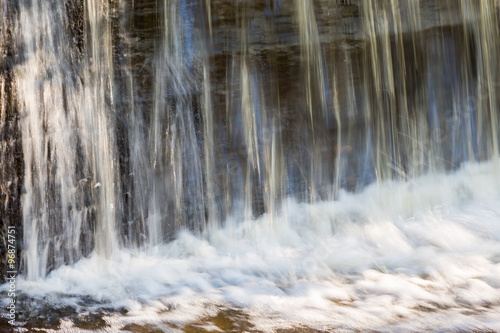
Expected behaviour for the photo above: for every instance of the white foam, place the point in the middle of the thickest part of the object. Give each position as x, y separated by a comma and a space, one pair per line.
410, 256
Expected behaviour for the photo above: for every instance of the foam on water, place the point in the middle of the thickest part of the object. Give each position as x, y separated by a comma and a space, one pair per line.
423, 254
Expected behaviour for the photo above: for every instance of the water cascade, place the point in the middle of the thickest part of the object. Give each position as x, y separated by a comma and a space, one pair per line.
304, 142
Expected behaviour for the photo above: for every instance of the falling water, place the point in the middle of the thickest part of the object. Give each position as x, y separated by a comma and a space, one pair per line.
246, 124
53, 212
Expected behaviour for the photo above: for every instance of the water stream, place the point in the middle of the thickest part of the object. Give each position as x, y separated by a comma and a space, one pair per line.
185, 165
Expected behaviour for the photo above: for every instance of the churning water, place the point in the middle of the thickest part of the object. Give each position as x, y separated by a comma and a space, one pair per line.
253, 165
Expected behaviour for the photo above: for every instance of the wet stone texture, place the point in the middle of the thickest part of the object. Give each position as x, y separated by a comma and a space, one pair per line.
11, 159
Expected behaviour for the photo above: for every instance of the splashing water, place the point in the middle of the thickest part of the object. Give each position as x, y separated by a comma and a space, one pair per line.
329, 164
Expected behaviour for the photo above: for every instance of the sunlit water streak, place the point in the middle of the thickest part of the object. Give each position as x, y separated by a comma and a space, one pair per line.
329, 164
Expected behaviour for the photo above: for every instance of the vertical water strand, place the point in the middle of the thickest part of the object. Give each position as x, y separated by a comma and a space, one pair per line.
230, 192
370, 167
273, 159
466, 128
209, 150
400, 116
191, 127
157, 145
178, 196
273, 188
371, 59
314, 79
437, 105
488, 70
135, 182
481, 19
414, 70
407, 163
196, 213
135, 137
336, 110
248, 114
99, 123
382, 104
49, 100
388, 91
310, 48
395, 100
210, 174
461, 120
268, 111
235, 153
165, 181
34, 200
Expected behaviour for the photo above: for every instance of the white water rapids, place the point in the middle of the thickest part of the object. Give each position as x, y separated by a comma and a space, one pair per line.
402, 256
296, 165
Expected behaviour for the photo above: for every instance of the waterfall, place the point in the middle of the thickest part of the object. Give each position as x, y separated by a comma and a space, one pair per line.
65, 101
49, 100
146, 126
123, 144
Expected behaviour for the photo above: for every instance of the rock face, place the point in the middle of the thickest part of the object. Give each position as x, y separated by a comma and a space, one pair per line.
11, 157
183, 113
